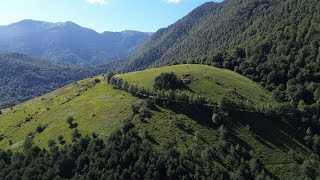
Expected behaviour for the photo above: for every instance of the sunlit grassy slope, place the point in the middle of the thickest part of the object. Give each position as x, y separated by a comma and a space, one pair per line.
270, 138
212, 82
97, 107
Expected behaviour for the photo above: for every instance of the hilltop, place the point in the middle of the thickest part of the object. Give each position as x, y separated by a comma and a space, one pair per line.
94, 106
209, 81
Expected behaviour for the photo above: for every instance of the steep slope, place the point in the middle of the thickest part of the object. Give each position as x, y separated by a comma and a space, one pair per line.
164, 39
267, 31
24, 77
68, 42
95, 106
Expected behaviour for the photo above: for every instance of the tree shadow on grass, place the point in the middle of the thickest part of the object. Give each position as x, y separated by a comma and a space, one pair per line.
184, 128
273, 132
200, 115
73, 125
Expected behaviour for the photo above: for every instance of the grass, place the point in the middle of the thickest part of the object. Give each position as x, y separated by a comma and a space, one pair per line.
97, 107
271, 139
212, 82
178, 125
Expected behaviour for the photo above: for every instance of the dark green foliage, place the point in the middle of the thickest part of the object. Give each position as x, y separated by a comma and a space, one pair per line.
160, 96
70, 120
40, 128
75, 134
267, 31
24, 77
61, 140
27, 119
167, 81
126, 156
28, 143
2, 137
109, 75
51, 143
97, 80
143, 112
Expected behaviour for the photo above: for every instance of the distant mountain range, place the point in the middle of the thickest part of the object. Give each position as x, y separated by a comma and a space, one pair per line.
68, 42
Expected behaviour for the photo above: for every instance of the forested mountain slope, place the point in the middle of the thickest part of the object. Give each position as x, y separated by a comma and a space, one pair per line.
164, 39
23, 77
272, 28
68, 42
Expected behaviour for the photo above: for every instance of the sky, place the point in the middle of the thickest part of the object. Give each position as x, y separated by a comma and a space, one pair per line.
101, 15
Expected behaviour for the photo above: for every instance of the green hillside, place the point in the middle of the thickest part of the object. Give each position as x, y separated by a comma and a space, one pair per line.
209, 81
95, 106
272, 42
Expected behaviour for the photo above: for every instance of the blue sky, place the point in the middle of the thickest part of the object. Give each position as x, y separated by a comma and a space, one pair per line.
100, 15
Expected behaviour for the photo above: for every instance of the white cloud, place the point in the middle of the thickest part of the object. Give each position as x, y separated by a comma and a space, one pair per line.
173, 1
100, 2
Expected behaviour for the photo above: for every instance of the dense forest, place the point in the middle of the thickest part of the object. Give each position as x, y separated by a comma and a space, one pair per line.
270, 27
126, 155
24, 77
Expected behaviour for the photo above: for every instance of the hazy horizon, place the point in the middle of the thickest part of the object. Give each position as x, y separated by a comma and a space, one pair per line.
101, 15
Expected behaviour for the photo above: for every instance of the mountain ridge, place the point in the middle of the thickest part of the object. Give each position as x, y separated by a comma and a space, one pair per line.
68, 42
181, 28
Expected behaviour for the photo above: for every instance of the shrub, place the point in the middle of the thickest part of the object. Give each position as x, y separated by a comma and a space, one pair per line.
40, 128
70, 120
109, 75
97, 81
167, 81
27, 119
216, 119
95, 135
61, 140
143, 112
1, 137
51, 143
76, 134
